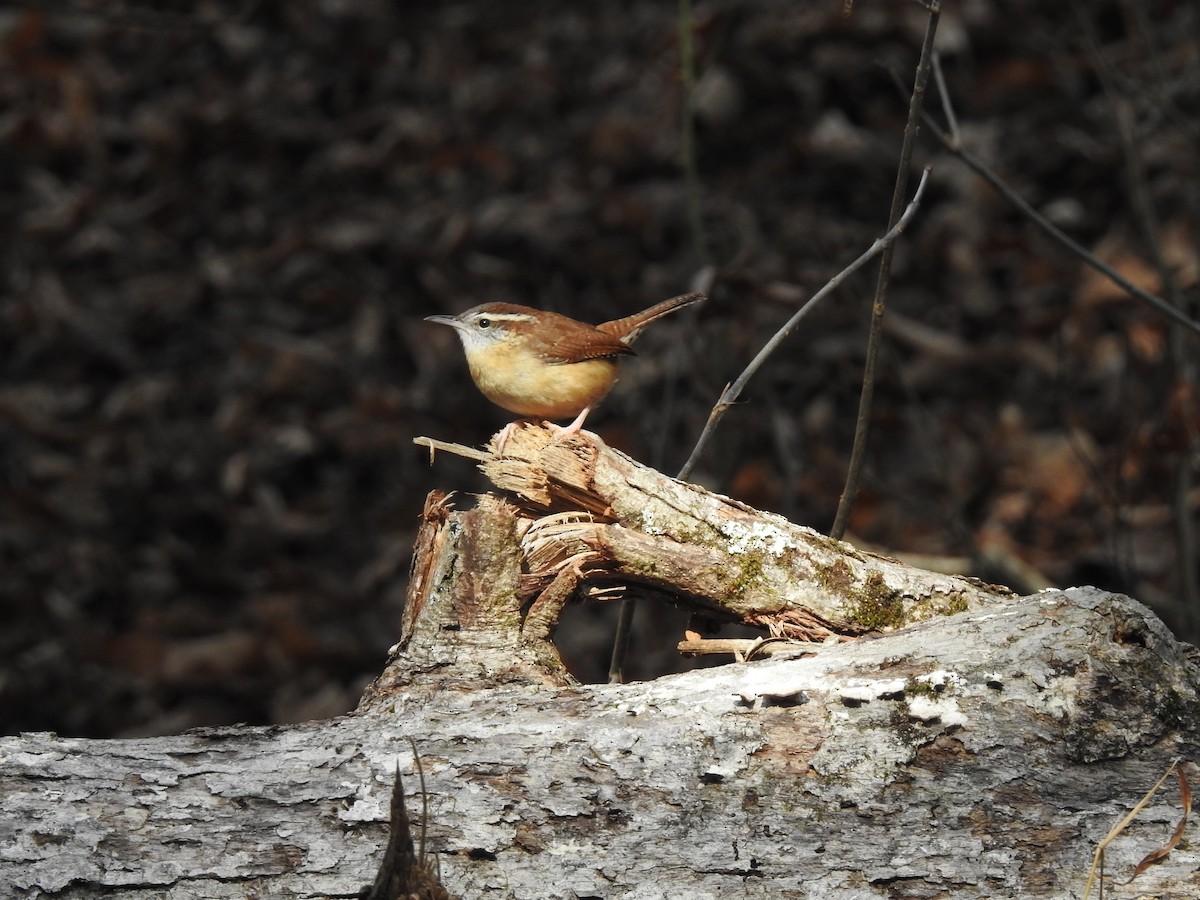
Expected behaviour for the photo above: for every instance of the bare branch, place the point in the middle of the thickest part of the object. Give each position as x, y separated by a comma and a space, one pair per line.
731, 393
950, 142
862, 426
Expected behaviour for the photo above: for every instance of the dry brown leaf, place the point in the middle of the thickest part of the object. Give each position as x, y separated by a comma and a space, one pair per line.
1185, 801
1177, 244
1098, 859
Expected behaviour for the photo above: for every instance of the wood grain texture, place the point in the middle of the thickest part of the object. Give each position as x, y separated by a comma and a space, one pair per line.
981, 755
728, 558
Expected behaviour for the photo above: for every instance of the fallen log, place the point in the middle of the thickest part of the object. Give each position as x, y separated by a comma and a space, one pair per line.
964, 743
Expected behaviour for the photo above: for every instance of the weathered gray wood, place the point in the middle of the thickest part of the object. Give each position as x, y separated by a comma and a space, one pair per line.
847, 774
981, 754
728, 558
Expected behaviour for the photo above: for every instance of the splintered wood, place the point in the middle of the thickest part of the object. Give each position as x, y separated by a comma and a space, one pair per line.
594, 513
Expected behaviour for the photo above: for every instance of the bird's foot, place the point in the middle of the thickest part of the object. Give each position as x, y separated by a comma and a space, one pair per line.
575, 427
503, 436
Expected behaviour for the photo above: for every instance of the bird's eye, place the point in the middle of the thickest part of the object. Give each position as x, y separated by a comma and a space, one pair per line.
484, 322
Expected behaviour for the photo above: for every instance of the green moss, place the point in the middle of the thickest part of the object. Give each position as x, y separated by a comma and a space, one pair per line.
939, 605
836, 578
956, 604
834, 547
876, 606
915, 688
749, 573
546, 655
644, 568
871, 604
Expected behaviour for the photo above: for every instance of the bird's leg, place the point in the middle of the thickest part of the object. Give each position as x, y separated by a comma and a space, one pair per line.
502, 437
563, 431
574, 428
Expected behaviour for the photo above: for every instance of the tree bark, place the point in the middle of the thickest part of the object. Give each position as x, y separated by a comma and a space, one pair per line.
977, 752
595, 512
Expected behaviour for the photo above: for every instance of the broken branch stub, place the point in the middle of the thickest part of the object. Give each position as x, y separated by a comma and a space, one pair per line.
602, 515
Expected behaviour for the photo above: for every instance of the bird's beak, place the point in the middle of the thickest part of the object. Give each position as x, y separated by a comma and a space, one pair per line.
452, 321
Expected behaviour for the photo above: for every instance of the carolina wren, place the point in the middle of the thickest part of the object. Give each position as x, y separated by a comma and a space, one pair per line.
543, 364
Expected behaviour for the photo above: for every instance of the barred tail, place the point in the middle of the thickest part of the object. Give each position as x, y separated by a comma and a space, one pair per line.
628, 328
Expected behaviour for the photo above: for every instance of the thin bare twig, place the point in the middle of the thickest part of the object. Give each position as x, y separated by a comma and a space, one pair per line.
947, 107
731, 393
862, 426
616, 663
952, 142
457, 449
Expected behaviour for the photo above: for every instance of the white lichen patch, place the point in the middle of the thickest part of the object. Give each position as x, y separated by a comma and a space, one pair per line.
778, 682
1057, 696
647, 523
757, 536
565, 848
798, 684
866, 691
368, 808
937, 709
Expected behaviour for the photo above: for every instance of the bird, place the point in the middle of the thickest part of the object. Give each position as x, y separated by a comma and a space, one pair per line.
541, 364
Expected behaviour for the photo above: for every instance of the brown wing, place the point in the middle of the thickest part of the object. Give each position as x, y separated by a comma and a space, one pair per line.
574, 341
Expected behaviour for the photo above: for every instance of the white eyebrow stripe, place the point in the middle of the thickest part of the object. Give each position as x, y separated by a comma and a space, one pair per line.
504, 317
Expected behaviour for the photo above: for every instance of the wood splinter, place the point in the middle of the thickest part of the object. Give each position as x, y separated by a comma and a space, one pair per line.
583, 506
